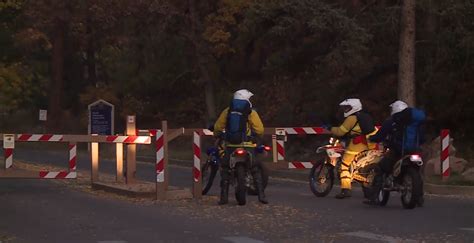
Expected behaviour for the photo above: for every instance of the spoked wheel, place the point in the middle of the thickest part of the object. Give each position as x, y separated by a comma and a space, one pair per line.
240, 188
382, 197
412, 188
209, 172
321, 178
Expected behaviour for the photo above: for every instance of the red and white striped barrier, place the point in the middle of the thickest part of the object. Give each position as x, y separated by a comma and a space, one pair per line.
8, 155
295, 131
71, 174
72, 156
150, 132
57, 175
197, 156
445, 170
129, 139
160, 159
39, 138
300, 165
304, 130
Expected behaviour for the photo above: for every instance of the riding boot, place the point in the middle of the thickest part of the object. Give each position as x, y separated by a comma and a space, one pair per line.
344, 193
258, 181
224, 192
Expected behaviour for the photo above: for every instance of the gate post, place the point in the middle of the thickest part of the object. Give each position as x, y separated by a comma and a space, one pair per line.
445, 154
131, 151
95, 160
160, 166
197, 185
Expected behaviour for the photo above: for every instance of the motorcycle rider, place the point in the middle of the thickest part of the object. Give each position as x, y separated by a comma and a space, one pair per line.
239, 121
393, 133
357, 124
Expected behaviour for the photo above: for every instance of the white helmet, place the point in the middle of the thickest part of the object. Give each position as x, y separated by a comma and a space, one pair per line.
355, 106
398, 106
243, 94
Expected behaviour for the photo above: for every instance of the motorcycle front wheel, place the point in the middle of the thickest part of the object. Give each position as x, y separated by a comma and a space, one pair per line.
209, 172
240, 188
412, 188
321, 178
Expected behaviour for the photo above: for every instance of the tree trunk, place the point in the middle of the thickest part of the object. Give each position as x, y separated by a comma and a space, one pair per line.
57, 70
90, 52
406, 54
201, 55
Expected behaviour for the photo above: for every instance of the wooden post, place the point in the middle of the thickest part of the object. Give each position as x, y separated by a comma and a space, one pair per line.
119, 164
95, 161
274, 149
131, 151
164, 129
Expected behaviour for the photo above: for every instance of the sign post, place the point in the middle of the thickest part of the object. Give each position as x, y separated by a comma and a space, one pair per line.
43, 117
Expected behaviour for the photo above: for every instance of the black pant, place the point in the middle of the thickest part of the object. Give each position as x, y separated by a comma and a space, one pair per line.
385, 166
225, 169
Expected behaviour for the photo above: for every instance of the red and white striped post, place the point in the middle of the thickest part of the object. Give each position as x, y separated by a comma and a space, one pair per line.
445, 170
160, 166
197, 185
72, 157
8, 155
280, 150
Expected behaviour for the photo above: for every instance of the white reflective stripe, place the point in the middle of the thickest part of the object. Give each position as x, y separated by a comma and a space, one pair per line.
9, 161
445, 142
56, 138
196, 139
120, 139
35, 137
290, 131
142, 139
72, 152
309, 130
51, 175
159, 155
307, 164
280, 157
236, 112
71, 175
207, 132
160, 177
446, 164
291, 166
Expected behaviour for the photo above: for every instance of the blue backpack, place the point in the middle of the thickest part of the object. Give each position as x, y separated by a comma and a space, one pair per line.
237, 118
412, 135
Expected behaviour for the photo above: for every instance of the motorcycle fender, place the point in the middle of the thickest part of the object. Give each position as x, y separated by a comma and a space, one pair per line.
236, 159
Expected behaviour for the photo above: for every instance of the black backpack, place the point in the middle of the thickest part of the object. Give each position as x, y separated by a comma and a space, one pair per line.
366, 123
237, 118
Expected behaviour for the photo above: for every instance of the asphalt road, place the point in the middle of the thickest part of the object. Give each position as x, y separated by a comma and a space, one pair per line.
45, 211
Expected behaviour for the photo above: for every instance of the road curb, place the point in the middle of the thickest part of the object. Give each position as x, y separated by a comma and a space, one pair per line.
302, 175
449, 189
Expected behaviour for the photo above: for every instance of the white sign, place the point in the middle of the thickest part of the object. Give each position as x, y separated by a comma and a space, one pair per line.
43, 115
8, 141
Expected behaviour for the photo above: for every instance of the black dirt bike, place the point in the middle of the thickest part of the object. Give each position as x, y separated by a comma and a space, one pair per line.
210, 168
405, 179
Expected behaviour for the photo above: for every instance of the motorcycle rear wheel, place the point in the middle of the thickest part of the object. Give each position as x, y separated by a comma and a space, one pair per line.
412, 185
321, 184
240, 188
251, 190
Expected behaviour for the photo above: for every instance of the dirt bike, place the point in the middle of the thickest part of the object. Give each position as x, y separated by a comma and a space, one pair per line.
405, 179
210, 168
324, 171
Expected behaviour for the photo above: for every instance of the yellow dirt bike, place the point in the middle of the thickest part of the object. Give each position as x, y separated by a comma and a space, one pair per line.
324, 171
